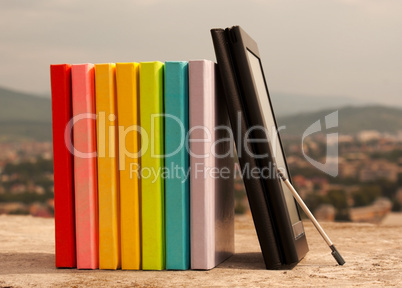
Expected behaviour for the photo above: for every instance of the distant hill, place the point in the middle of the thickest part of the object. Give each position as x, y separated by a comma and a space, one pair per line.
350, 120
17, 106
24, 116
286, 104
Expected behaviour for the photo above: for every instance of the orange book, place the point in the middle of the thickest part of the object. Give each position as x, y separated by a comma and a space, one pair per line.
127, 78
108, 169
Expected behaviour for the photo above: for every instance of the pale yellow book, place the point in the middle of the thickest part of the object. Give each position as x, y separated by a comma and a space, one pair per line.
127, 79
108, 170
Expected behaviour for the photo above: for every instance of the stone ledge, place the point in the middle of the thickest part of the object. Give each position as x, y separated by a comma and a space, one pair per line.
373, 256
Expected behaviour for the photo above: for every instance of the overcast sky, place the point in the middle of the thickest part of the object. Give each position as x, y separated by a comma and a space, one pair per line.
348, 48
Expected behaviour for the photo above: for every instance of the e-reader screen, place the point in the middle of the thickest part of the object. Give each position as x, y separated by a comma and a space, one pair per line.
269, 122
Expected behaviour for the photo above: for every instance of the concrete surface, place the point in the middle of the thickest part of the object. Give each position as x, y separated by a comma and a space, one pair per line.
373, 255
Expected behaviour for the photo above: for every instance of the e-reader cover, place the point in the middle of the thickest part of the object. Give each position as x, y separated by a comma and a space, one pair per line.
254, 187
290, 249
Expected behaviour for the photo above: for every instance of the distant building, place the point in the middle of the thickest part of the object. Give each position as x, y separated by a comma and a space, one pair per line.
325, 212
345, 139
399, 195
39, 210
303, 185
348, 169
368, 135
321, 185
50, 203
32, 188
13, 207
373, 213
18, 188
379, 169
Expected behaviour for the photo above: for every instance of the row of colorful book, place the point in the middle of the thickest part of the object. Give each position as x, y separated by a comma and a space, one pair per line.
135, 166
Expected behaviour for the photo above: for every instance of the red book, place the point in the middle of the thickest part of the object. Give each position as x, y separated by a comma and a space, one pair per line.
85, 169
63, 167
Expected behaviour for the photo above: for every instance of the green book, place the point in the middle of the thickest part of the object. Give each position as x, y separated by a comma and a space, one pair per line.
152, 183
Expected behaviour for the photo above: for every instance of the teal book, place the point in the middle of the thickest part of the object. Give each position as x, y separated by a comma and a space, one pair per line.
177, 201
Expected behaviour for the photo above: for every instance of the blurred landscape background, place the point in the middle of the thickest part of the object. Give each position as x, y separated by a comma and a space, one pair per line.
318, 57
367, 188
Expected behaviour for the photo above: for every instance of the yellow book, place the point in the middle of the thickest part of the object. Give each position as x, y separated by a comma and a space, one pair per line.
108, 173
152, 184
127, 78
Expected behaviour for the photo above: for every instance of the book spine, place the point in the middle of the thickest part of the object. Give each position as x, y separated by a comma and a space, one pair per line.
63, 167
108, 173
152, 182
202, 189
177, 163
127, 79
85, 167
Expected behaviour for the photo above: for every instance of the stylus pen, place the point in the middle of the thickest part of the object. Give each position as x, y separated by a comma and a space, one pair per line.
310, 215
